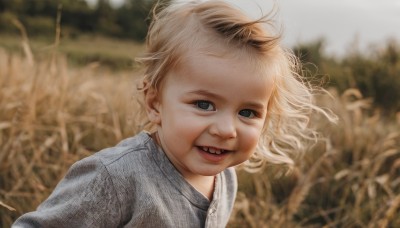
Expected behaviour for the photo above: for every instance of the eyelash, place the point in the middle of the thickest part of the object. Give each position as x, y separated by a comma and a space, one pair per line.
200, 104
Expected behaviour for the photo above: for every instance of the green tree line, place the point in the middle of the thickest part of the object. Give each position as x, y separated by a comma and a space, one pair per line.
128, 21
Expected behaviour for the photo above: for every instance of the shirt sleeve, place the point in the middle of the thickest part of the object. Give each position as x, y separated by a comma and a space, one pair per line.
86, 197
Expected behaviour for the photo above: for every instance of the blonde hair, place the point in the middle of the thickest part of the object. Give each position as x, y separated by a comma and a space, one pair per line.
180, 26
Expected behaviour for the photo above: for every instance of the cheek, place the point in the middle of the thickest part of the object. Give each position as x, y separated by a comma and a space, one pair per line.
184, 124
251, 137
180, 134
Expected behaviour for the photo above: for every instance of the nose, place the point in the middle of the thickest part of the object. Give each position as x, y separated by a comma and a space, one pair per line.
224, 126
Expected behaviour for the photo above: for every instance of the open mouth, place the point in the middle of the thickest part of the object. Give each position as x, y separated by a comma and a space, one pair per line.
212, 150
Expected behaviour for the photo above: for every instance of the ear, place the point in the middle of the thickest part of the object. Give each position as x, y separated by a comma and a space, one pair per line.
152, 105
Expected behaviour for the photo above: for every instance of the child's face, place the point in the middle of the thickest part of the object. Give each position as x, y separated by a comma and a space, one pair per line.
210, 113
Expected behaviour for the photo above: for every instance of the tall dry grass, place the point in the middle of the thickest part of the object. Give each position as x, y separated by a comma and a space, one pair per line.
350, 179
52, 115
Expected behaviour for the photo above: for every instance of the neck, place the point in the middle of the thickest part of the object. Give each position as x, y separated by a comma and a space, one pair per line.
204, 184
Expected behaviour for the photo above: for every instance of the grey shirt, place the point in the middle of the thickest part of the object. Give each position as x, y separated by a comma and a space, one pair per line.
132, 185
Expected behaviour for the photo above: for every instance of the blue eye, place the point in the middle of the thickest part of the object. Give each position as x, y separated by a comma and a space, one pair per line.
247, 113
204, 105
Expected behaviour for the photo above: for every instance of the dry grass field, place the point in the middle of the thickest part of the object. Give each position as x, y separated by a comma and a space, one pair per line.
52, 114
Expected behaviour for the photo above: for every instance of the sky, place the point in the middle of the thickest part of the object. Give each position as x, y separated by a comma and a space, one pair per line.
344, 24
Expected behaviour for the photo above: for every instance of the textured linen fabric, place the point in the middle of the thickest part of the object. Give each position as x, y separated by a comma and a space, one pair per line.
132, 185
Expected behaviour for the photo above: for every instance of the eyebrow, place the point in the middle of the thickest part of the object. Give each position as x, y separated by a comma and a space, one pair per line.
255, 105
207, 94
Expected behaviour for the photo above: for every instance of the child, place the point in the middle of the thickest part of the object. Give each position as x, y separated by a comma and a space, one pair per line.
218, 90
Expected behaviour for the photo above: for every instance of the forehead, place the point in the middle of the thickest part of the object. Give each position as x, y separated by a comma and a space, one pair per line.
210, 56
229, 77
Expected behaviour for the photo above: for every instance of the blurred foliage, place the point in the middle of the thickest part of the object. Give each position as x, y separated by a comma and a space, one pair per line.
376, 72
128, 21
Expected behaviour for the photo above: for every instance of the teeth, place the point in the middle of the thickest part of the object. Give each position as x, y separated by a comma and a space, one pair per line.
212, 150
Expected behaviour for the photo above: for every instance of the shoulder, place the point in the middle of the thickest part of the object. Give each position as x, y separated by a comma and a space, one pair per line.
130, 147
118, 165
122, 162
128, 150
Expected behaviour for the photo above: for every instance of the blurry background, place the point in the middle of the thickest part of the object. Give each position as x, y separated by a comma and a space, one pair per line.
67, 79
